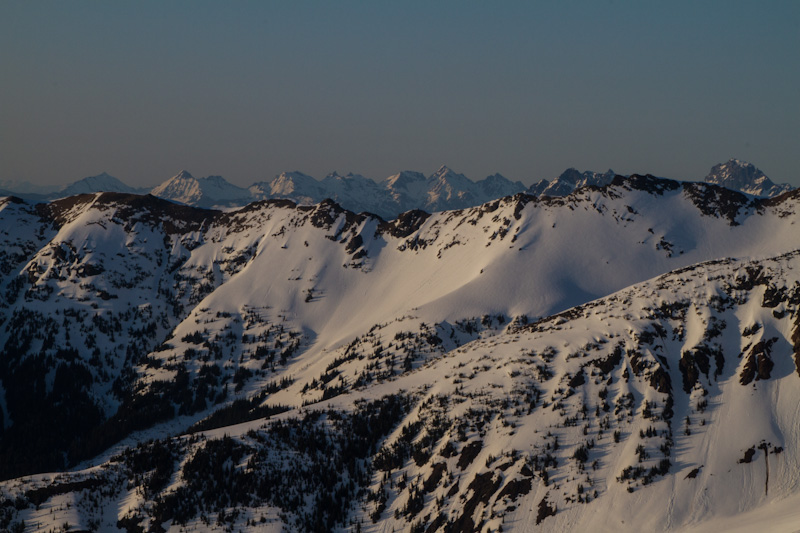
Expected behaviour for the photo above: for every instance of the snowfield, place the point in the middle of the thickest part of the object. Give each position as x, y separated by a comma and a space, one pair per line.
625, 358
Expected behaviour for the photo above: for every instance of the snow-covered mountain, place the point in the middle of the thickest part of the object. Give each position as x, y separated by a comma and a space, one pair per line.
445, 190
408, 190
296, 186
201, 192
405, 191
497, 186
358, 193
570, 180
560, 362
449, 189
745, 177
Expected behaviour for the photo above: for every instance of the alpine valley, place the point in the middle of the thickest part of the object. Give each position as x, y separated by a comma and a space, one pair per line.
621, 353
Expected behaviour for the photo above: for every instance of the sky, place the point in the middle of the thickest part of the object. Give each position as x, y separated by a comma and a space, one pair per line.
247, 90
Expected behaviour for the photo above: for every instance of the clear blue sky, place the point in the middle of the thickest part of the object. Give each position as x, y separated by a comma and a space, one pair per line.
250, 89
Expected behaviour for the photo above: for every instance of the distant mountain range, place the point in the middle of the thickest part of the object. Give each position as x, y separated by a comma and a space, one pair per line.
443, 190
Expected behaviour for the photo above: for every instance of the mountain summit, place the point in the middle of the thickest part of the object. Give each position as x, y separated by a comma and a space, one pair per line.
745, 177
100, 183
202, 192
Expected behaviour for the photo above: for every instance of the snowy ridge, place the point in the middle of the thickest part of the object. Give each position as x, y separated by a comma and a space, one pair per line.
466, 396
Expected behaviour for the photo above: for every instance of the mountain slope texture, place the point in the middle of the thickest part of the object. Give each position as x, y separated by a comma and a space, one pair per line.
622, 358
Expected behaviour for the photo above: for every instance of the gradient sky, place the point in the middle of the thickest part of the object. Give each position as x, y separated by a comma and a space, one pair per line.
247, 90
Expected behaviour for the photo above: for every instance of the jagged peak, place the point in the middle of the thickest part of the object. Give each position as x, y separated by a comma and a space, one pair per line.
293, 174
571, 175
292, 177
739, 162
733, 165
404, 178
446, 174
443, 169
183, 174
745, 177
99, 183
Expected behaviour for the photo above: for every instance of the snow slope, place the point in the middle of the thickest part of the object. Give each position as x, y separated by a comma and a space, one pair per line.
461, 326
608, 413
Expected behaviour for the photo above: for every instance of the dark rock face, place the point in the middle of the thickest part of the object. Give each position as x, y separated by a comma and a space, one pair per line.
717, 201
759, 363
748, 455
482, 487
649, 183
469, 453
796, 344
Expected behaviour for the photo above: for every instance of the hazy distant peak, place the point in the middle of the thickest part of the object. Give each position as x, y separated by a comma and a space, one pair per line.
290, 180
295, 185
101, 183
497, 185
404, 179
204, 192
183, 175
496, 177
571, 175
349, 180
445, 172
447, 178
